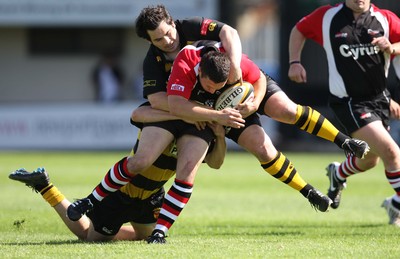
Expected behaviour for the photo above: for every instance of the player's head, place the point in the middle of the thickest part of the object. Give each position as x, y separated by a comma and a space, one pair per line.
156, 25
214, 70
358, 6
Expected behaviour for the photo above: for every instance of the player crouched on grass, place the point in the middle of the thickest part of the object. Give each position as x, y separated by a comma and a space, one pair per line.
139, 202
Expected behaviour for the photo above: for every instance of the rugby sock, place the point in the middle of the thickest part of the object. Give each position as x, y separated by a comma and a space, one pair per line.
396, 201
283, 170
52, 195
347, 168
174, 202
394, 179
115, 178
311, 121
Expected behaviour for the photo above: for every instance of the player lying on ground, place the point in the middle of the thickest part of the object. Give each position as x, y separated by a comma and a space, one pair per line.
138, 202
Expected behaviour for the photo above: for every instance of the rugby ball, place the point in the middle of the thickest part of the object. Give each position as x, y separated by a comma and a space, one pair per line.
234, 95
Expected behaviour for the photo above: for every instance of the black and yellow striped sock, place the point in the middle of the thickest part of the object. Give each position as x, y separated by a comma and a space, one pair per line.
311, 121
52, 195
282, 169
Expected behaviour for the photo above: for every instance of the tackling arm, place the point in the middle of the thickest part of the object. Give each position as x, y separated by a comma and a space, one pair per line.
187, 110
146, 114
215, 158
231, 42
159, 101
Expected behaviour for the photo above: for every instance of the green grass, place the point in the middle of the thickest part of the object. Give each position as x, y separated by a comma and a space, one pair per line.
236, 212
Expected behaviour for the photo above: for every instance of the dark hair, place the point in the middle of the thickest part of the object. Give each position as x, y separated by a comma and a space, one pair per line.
215, 65
150, 18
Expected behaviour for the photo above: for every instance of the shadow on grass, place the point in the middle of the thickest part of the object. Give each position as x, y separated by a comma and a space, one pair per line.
61, 242
282, 230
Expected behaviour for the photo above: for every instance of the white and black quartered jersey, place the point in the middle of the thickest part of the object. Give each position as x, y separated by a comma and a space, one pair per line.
357, 68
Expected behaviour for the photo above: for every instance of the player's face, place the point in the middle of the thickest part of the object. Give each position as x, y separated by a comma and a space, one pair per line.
358, 6
209, 86
165, 37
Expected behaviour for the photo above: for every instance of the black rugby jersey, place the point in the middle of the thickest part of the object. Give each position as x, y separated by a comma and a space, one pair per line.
357, 68
156, 68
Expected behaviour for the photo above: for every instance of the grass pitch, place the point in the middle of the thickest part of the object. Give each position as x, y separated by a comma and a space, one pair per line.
238, 211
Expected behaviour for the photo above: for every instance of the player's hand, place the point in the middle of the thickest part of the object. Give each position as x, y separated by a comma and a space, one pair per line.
200, 125
394, 110
297, 73
231, 118
219, 130
383, 44
247, 108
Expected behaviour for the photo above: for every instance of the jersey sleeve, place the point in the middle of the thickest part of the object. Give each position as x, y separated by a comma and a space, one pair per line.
311, 25
250, 71
394, 26
200, 28
183, 75
154, 78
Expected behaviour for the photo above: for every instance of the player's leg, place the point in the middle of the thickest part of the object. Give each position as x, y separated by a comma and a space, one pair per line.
134, 232
142, 231
257, 142
153, 140
351, 115
280, 107
39, 180
383, 145
108, 218
94, 236
191, 152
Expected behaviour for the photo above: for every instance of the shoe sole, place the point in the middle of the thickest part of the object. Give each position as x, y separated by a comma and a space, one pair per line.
327, 207
335, 204
30, 180
385, 205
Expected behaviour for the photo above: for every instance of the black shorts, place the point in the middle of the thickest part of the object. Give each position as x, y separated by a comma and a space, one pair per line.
118, 208
354, 114
233, 133
178, 128
272, 88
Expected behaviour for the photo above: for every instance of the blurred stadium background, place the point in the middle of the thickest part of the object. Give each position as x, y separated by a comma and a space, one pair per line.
48, 50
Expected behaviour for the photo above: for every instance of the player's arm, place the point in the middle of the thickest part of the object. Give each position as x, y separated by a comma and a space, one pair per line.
159, 101
251, 106
309, 27
183, 108
215, 158
154, 81
146, 114
296, 73
231, 42
252, 74
260, 89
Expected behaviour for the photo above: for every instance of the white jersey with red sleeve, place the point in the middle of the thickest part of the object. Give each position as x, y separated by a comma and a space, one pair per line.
311, 25
357, 68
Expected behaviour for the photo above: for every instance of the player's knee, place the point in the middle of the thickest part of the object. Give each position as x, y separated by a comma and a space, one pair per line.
283, 110
263, 153
138, 164
369, 162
